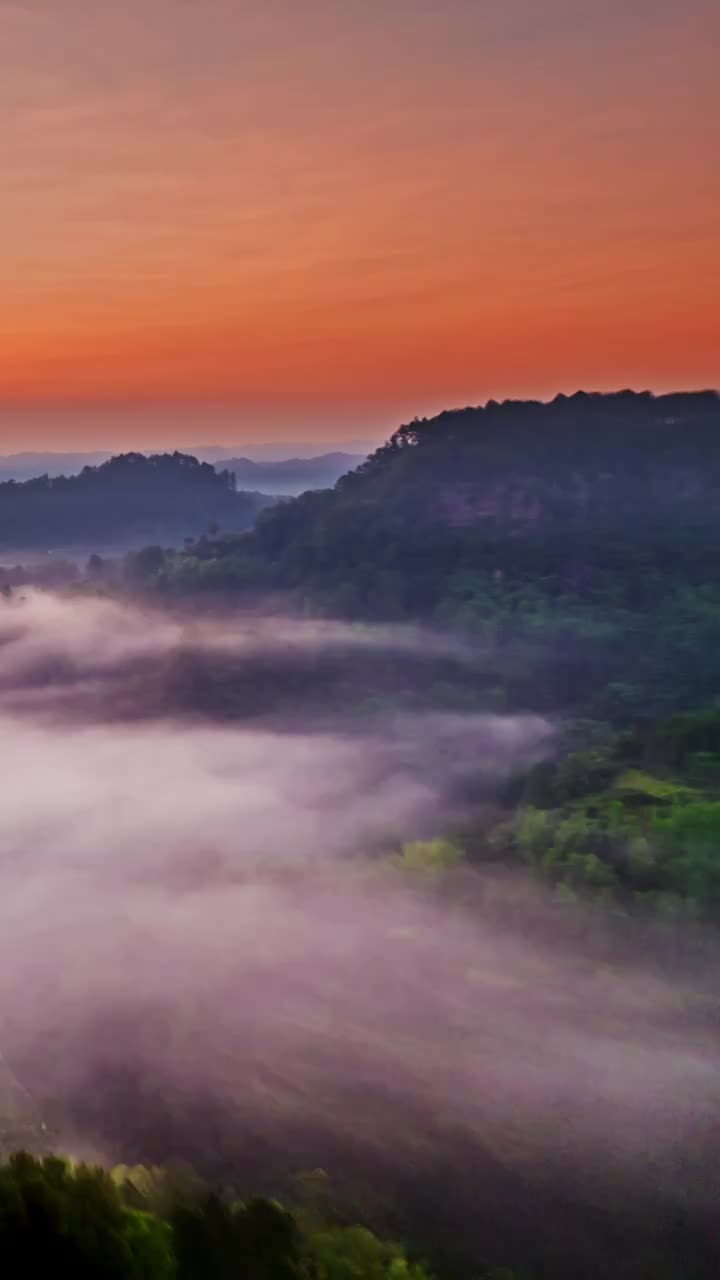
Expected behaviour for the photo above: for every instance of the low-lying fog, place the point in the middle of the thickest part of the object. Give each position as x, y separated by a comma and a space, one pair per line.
203, 950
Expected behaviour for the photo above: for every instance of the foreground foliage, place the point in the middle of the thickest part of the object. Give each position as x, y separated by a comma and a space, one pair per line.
81, 1221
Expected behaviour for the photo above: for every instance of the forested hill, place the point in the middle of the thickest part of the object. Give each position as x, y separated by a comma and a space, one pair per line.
128, 500
567, 490
581, 460
565, 494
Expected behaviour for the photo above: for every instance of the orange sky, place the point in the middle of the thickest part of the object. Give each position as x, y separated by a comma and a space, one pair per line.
247, 219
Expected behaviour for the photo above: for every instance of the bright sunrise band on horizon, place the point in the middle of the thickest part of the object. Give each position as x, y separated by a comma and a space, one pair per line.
254, 220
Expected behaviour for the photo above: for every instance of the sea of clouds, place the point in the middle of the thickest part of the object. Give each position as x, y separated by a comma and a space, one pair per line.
197, 919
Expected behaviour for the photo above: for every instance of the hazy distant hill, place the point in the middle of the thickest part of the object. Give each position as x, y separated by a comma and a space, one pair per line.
130, 500
292, 475
280, 450
26, 466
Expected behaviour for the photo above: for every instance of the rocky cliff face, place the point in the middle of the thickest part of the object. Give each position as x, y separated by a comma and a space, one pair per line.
524, 499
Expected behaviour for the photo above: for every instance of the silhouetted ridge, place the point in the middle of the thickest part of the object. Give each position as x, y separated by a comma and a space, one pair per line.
574, 420
130, 498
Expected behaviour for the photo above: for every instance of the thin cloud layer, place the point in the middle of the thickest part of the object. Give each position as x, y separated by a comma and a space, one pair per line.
95, 657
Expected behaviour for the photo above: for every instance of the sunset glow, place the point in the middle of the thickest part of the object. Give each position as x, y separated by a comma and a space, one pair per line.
322, 218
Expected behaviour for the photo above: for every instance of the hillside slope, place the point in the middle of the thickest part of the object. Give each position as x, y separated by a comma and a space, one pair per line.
566, 492
577, 539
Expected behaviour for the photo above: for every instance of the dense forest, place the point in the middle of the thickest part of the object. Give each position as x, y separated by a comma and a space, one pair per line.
149, 1224
591, 498
130, 500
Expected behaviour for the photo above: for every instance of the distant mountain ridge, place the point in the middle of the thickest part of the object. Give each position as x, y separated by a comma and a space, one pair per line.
293, 475
30, 464
281, 450
279, 475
